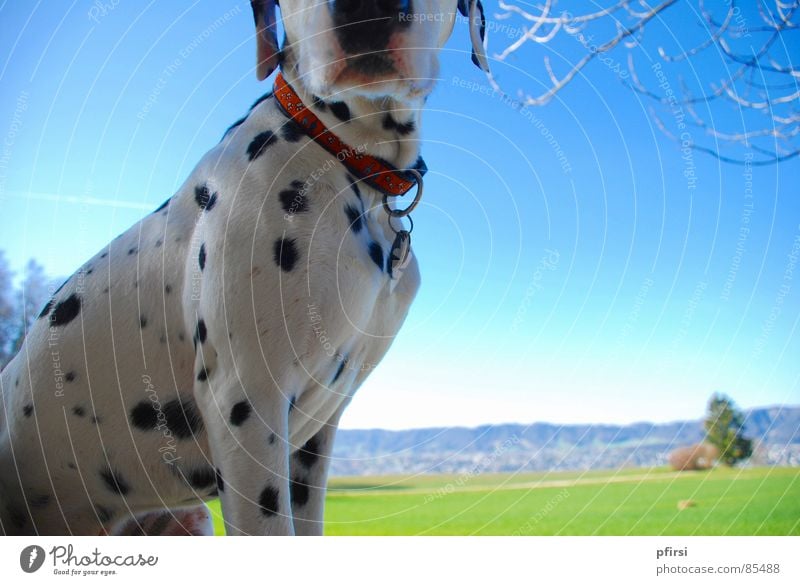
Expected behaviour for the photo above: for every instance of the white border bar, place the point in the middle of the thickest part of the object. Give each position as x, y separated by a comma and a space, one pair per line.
411, 560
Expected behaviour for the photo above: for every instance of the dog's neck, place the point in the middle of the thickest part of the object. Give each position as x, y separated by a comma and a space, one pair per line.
386, 127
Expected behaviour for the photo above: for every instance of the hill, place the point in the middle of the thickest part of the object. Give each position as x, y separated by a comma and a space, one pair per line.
545, 446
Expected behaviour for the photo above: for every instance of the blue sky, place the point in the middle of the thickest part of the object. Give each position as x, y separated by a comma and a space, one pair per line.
592, 284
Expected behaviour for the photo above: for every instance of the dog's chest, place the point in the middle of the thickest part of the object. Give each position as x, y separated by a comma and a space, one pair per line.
303, 236
346, 306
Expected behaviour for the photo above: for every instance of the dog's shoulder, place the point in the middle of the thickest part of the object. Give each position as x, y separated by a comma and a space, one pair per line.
258, 155
264, 132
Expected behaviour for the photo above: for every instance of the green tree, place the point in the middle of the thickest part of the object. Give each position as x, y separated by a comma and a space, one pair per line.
8, 313
724, 426
30, 298
19, 307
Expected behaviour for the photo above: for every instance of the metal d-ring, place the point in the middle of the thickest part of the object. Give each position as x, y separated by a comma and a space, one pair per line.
410, 225
414, 203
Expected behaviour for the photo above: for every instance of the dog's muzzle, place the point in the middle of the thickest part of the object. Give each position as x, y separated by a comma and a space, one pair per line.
364, 28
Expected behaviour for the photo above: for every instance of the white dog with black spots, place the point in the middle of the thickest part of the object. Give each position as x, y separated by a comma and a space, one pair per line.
184, 361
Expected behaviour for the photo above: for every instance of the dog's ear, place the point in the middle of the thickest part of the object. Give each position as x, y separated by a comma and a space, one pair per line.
473, 10
267, 50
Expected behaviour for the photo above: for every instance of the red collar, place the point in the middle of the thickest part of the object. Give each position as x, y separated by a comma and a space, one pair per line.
377, 173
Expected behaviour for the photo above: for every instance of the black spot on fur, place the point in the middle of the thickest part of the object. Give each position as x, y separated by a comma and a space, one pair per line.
78, 411
142, 321
339, 371
271, 439
376, 253
181, 418
69, 376
293, 200
402, 128
66, 310
203, 374
103, 513
39, 501
104, 254
71, 465
260, 144
200, 332
18, 518
292, 403
354, 217
132, 251
299, 492
240, 413
202, 478
285, 253
268, 501
204, 198
27, 410
341, 110
159, 243
316, 101
143, 416
292, 131
220, 481
168, 289
115, 482
163, 205
308, 454
354, 186
201, 257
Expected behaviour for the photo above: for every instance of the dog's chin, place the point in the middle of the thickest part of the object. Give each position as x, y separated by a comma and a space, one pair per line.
371, 64
371, 75
375, 76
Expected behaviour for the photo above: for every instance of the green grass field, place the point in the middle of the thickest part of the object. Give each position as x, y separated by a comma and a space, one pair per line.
761, 501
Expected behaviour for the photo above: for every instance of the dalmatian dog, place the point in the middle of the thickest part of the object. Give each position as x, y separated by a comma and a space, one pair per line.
210, 350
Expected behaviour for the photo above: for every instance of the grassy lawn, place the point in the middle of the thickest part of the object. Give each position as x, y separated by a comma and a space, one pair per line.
762, 501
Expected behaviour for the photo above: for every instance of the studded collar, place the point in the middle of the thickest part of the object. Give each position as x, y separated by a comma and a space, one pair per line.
376, 172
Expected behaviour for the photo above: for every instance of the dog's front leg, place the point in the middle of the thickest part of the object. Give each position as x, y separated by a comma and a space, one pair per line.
310, 465
247, 427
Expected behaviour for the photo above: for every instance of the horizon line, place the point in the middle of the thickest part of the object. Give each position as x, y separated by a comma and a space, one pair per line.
574, 424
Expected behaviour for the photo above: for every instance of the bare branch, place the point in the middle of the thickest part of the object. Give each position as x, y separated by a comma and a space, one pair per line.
714, 38
771, 157
757, 76
765, 104
558, 84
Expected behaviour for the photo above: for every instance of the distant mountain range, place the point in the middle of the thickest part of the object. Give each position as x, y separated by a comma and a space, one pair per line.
544, 446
